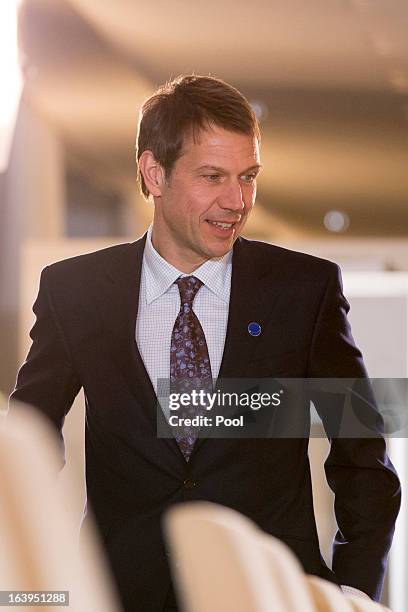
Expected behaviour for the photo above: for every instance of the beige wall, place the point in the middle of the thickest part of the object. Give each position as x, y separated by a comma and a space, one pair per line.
32, 207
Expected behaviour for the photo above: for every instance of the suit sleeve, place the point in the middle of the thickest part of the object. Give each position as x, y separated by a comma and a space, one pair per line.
362, 477
47, 379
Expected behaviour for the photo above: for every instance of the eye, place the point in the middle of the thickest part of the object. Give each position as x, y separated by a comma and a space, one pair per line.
248, 178
211, 178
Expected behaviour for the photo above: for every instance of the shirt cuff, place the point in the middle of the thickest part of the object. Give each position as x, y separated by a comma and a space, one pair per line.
349, 590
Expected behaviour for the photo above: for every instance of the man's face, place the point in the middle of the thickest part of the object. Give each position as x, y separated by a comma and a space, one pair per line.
212, 183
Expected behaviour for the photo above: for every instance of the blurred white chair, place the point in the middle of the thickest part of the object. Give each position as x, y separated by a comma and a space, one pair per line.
224, 563
38, 531
365, 605
328, 598
221, 564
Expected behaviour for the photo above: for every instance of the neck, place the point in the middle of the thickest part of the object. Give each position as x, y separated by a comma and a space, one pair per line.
173, 257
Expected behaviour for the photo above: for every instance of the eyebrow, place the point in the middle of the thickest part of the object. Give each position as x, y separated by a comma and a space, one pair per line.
222, 170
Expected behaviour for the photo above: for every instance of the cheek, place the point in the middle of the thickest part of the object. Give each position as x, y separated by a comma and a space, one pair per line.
249, 197
202, 200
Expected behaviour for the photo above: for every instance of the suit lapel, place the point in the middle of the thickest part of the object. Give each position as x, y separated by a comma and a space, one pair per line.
244, 307
119, 303
253, 297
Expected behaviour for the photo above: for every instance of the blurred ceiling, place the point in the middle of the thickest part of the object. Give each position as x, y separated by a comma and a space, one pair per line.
330, 75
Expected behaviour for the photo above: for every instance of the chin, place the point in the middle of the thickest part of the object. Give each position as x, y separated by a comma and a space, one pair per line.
216, 249
220, 252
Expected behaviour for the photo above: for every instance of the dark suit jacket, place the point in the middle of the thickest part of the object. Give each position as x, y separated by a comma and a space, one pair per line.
84, 335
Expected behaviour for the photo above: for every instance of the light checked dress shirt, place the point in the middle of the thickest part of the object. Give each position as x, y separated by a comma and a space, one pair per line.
159, 305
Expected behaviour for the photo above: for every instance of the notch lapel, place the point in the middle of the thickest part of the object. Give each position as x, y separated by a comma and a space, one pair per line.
245, 307
251, 300
118, 305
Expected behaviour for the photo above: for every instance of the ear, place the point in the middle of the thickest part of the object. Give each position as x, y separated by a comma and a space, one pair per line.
152, 173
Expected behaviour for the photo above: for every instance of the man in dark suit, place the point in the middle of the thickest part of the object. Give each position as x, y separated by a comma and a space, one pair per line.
116, 321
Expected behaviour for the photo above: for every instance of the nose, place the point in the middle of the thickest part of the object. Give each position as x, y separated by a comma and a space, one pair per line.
232, 197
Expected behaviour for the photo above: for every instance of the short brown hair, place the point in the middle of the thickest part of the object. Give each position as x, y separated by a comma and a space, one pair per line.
186, 105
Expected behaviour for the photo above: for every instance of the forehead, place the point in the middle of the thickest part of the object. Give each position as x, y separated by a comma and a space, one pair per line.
220, 147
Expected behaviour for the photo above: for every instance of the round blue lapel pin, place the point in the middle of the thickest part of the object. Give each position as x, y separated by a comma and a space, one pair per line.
254, 329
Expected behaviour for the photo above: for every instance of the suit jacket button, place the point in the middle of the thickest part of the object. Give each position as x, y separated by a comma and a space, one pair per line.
189, 483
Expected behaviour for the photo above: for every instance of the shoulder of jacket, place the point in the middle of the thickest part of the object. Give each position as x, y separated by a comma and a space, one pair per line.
93, 259
277, 255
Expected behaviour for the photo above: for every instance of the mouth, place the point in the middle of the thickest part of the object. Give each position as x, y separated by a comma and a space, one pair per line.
223, 225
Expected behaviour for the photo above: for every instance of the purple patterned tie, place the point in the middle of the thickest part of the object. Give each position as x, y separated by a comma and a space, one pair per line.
190, 366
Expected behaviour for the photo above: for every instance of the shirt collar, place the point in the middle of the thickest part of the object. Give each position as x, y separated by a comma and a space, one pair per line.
161, 275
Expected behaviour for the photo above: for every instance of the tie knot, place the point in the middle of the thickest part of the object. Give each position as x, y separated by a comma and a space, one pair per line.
188, 287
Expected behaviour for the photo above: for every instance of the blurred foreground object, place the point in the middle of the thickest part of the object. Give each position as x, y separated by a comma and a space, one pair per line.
224, 563
38, 532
